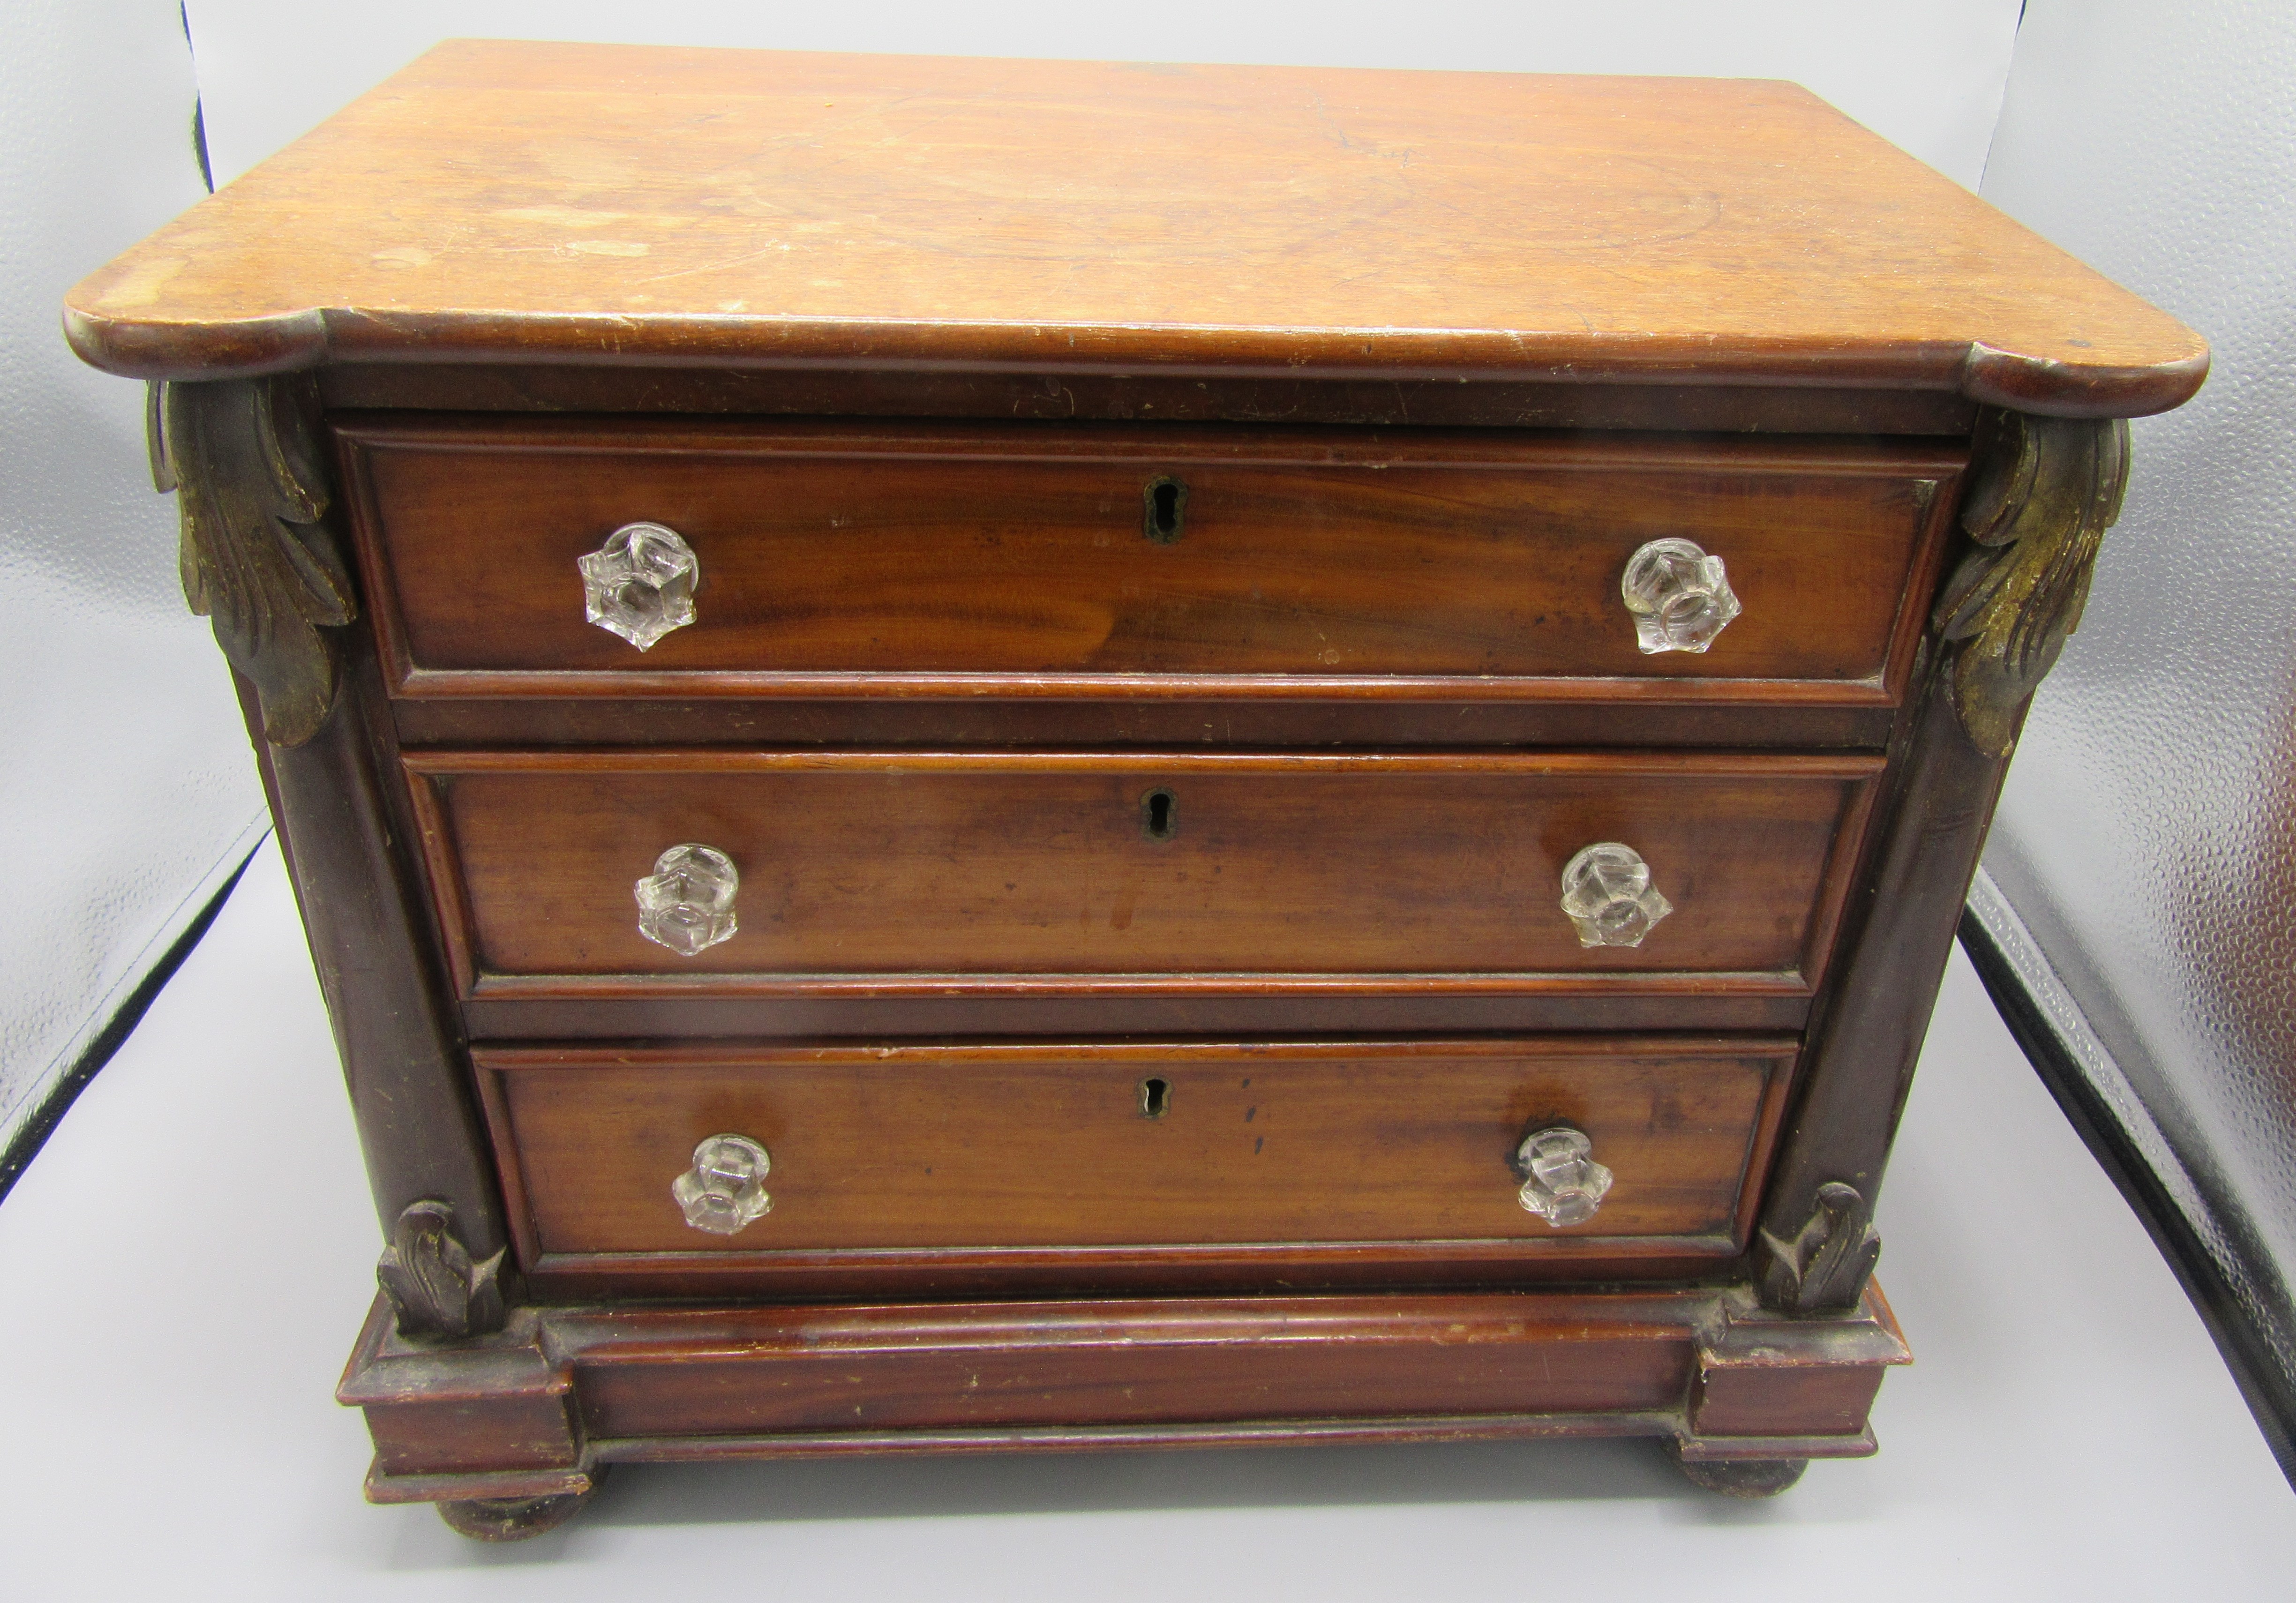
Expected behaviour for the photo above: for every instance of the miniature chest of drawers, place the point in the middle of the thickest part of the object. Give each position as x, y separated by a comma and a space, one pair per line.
990, 755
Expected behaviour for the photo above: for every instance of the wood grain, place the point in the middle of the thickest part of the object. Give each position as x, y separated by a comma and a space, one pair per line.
955, 1148
505, 202
1332, 559
1026, 864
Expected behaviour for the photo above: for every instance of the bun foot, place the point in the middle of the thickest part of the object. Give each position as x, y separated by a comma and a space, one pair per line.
1742, 1477
516, 1518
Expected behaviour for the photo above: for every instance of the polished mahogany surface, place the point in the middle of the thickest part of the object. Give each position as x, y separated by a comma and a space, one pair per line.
1034, 864
1019, 559
1051, 1147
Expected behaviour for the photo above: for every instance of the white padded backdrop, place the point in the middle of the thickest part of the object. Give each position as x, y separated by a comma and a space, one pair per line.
2147, 836
129, 793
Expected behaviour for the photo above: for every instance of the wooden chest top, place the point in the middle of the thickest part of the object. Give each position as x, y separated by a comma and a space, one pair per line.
610, 205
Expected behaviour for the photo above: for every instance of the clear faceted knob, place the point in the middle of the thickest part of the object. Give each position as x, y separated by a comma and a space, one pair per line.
1607, 891
1679, 595
1561, 1183
725, 1190
639, 585
687, 903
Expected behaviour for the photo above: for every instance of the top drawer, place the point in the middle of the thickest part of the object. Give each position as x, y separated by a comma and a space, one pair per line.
1067, 560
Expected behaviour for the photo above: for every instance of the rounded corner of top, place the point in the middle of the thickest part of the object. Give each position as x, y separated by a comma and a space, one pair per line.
2053, 387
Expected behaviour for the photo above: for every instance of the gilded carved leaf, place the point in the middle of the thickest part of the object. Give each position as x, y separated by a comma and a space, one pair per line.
2042, 493
254, 557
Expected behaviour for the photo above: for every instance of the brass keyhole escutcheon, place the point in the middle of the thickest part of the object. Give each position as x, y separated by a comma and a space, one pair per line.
1166, 500
1160, 814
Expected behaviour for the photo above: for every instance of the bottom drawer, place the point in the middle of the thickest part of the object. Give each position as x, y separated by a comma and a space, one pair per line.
951, 1167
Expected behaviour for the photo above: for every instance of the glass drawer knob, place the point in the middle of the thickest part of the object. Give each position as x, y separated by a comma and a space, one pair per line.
1607, 891
639, 585
1679, 596
725, 1190
1561, 1183
687, 903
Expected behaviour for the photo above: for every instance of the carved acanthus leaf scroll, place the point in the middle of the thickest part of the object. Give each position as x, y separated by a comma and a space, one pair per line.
1829, 1260
2042, 493
432, 1281
244, 459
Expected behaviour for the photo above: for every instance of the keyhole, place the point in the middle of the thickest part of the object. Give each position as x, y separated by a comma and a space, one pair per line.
1168, 504
1155, 1098
1160, 815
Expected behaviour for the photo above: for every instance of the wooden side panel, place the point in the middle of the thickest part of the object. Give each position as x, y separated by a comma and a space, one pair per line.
512, 1433
494, 1401
341, 812
1764, 1376
1784, 1402
870, 864
970, 1148
959, 550
1867, 1035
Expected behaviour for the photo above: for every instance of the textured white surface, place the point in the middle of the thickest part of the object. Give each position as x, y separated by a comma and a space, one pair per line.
1927, 75
188, 1261
127, 786
2147, 837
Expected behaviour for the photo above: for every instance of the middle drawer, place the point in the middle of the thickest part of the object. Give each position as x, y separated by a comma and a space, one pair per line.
1447, 868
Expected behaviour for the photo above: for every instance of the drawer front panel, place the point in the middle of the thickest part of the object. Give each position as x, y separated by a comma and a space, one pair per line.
1025, 552
982, 1147
1036, 864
